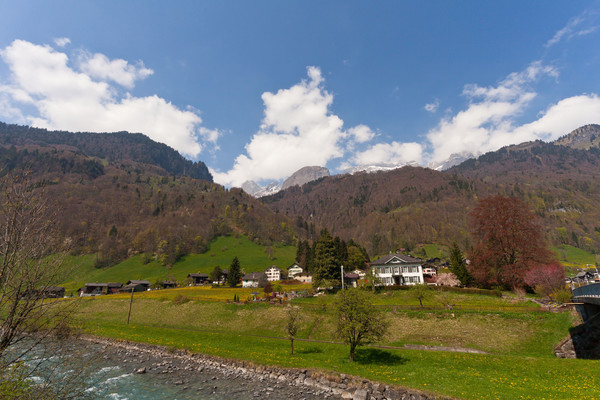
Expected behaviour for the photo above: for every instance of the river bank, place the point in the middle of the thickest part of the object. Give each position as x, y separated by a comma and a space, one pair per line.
207, 377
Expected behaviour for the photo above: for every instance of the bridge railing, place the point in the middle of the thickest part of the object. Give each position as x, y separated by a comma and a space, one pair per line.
592, 290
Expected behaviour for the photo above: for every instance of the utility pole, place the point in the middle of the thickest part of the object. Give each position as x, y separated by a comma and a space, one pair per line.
342, 267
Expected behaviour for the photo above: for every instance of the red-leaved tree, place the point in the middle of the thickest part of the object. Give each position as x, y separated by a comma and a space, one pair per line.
508, 242
546, 279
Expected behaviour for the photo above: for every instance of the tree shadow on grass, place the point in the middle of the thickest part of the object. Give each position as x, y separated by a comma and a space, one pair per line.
310, 350
377, 356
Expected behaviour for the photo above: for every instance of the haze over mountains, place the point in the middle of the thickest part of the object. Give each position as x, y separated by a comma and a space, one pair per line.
165, 206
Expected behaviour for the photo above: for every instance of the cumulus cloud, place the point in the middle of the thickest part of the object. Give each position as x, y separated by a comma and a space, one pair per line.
388, 154
98, 66
297, 130
77, 95
488, 121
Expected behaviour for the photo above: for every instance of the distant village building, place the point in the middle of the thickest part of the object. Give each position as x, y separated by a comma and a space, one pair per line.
303, 277
93, 289
168, 284
135, 286
429, 270
398, 269
294, 269
351, 279
361, 274
198, 279
113, 287
273, 273
254, 280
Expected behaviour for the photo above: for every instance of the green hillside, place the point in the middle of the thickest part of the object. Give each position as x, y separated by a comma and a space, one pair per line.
253, 257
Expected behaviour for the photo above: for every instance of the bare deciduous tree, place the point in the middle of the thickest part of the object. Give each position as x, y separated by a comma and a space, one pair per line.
293, 324
31, 262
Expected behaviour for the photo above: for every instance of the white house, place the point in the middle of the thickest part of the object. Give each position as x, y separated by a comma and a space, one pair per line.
398, 269
254, 280
303, 277
273, 273
294, 269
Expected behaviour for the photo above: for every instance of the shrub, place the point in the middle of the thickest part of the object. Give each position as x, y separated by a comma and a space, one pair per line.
563, 295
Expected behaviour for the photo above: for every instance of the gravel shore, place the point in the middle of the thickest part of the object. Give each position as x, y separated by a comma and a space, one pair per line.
213, 377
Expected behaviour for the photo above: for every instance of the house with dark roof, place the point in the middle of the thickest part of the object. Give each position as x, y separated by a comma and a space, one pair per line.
398, 269
135, 286
254, 280
351, 279
294, 269
199, 279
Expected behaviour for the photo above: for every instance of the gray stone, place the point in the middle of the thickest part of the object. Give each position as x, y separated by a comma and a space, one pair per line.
360, 394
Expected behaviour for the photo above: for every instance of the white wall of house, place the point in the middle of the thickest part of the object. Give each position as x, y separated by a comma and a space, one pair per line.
395, 274
273, 274
250, 283
295, 270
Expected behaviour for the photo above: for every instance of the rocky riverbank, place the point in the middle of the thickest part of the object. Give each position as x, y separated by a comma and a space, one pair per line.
235, 379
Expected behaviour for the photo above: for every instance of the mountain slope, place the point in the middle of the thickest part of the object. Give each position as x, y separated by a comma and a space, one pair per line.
388, 210
117, 146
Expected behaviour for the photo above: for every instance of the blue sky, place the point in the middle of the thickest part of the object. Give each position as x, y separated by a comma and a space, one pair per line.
258, 90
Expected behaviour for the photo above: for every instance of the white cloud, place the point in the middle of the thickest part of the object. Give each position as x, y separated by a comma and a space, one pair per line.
62, 42
63, 97
297, 130
487, 123
388, 154
98, 66
432, 107
571, 30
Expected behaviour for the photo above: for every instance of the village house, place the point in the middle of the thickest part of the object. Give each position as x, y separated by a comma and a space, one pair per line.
294, 269
92, 289
168, 284
351, 279
198, 279
429, 269
113, 287
398, 269
303, 277
361, 274
273, 273
135, 286
254, 280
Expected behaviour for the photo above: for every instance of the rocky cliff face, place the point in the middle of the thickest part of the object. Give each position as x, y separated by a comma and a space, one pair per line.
305, 175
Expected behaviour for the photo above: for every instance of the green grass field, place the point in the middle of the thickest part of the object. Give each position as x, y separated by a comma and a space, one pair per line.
571, 256
221, 252
520, 363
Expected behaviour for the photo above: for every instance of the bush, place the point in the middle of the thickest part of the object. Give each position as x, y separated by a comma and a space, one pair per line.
563, 295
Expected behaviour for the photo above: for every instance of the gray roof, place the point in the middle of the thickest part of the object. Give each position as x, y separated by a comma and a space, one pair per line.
396, 258
254, 276
134, 282
96, 284
198, 275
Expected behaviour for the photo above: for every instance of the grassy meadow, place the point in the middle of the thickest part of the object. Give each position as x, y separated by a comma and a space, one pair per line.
519, 365
221, 252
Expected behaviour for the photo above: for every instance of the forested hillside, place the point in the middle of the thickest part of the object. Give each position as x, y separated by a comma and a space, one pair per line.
117, 146
400, 208
121, 194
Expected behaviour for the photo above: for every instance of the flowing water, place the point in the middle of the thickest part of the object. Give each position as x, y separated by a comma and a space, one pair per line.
110, 373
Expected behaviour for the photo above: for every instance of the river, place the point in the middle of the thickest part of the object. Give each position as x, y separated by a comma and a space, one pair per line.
115, 372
